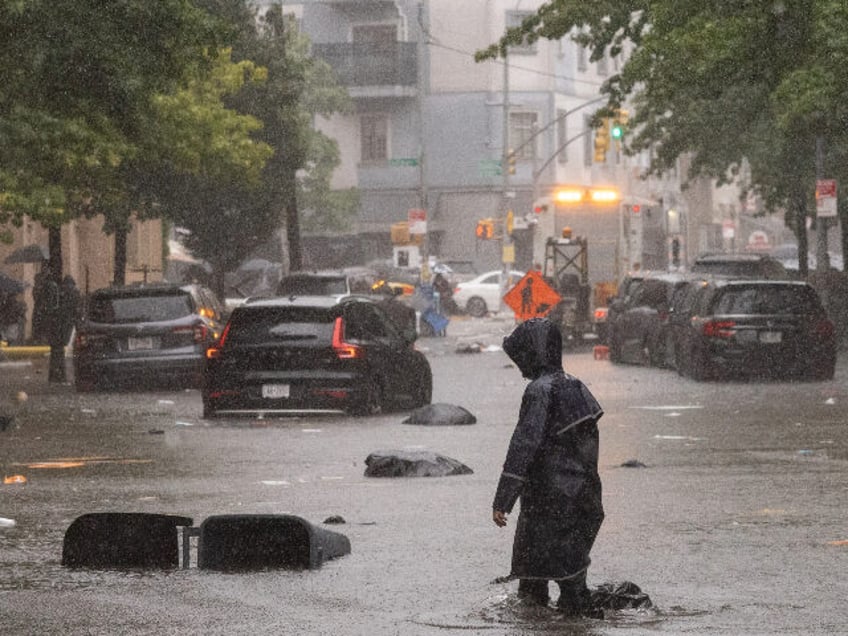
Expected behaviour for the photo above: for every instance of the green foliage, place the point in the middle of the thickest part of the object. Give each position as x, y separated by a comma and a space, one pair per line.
77, 80
725, 82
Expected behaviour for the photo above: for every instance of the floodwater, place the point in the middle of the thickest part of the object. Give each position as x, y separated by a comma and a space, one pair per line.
735, 525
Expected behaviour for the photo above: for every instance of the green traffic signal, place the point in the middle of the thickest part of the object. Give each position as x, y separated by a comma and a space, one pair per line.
616, 132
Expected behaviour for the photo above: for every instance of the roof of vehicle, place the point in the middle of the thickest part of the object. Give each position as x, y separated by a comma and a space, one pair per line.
303, 301
748, 282
721, 257
140, 289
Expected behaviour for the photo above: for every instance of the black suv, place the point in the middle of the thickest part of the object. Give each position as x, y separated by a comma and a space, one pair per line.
314, 354
144, 334
756, 328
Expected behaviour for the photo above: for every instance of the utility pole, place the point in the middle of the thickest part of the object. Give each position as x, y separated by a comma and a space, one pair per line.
505, 166
422, 136
822, 222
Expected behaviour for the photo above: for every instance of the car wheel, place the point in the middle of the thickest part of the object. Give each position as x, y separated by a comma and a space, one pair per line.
819, 370
614, 348
699, 367
371, 401
423, 392
209, 411
656, 354
476, 307
85, 384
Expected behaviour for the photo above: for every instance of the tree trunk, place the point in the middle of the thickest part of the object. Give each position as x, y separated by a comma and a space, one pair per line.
799, 203
56, 368
293, 226
119, 276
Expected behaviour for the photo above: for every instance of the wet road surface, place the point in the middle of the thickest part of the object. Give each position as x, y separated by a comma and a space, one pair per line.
736, 524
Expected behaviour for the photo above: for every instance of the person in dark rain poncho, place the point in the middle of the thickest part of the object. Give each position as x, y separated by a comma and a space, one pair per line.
552, 465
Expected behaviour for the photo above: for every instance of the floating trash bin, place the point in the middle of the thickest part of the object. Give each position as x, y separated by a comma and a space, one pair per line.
123, 540
253, 542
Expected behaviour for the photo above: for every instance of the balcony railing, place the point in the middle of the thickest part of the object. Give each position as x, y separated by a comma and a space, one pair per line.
371, 64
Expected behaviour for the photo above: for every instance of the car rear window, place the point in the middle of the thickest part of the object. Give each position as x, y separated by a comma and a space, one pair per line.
265, 325
771, 299
150, 308
312, 286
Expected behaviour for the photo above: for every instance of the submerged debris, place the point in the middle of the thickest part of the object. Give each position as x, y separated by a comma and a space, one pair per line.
399, 463
335, 519
440, 415
633, 463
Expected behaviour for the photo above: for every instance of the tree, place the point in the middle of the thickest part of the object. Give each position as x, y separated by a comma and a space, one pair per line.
75, 97
299, 88
727, 83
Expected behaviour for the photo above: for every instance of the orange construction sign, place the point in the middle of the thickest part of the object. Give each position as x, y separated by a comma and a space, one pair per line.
531, 297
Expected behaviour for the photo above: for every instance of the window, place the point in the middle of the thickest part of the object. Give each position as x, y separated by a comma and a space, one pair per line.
562, 136
514, 19
522, 126
374, 132
582, 58
374, 33
602, 65
588, 141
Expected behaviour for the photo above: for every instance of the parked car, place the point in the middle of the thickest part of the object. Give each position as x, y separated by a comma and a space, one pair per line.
757, 266
680, 313
142, 334
755, 327
604, 316
481, 295
314, 354
638, 329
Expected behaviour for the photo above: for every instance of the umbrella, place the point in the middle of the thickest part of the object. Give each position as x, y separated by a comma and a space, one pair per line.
30, 254
11, 285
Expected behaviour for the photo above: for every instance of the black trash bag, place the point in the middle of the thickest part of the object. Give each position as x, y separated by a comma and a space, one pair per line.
618, 596
412, 464
440, 415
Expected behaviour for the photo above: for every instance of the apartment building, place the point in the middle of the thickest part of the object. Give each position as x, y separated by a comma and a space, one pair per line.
432, 130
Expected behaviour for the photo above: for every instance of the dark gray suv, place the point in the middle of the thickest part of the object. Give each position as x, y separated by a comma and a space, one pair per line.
145, 334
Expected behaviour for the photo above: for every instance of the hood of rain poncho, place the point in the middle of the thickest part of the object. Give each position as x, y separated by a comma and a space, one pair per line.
535, 346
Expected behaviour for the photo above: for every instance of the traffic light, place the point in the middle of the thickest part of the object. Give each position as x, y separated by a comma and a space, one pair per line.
540, 206
602, 140
510, 160
509, 222
485, 229
619, 125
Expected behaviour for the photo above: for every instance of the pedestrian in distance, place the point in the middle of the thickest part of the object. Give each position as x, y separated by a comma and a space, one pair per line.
552, 468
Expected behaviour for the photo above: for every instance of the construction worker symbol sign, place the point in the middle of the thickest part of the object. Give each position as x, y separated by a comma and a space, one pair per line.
531, 297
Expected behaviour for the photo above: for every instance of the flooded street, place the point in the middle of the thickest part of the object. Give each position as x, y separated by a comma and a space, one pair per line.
735, 523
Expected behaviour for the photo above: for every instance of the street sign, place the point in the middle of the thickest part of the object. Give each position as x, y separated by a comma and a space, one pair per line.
826, 198
490, 168
417, 221
531, 297
403, 162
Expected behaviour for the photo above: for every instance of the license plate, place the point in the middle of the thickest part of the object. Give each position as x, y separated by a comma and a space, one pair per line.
139, 344
275, 391
771, 337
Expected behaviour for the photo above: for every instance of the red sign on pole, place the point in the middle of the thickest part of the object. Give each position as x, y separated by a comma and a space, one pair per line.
417, 221
826, 197
531, 297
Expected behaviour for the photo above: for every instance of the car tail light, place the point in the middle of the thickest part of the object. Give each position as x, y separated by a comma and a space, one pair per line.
824, 328
719, 328
214, 351
601, 314
84, 339
344, 350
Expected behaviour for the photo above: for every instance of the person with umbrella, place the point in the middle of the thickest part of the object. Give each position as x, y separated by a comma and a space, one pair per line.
12, 310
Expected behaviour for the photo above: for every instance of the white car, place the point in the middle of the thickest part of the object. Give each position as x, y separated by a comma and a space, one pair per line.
481, 295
